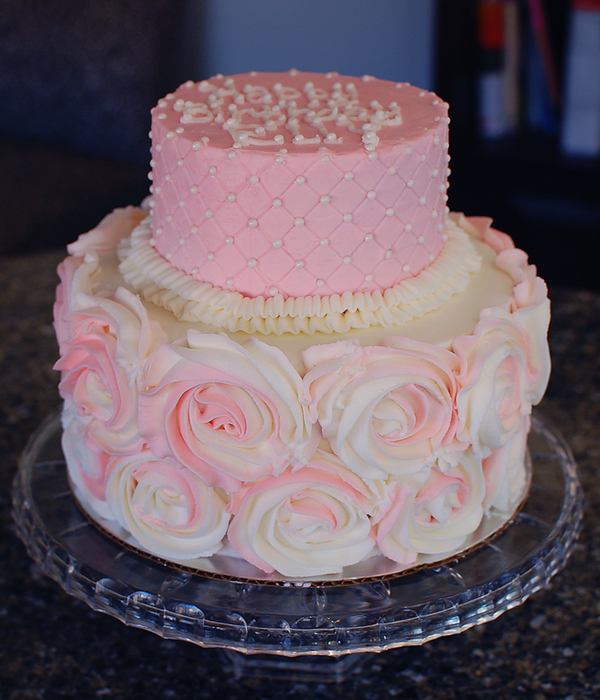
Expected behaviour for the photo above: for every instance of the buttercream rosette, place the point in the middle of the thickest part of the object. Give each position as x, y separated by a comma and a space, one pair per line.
312, 521
168, 508
384, 410
230, 412
432, 511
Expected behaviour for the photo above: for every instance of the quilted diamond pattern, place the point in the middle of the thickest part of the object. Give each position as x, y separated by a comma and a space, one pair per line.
302, 223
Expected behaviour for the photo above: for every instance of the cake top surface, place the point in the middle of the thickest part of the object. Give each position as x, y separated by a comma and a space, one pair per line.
299, 111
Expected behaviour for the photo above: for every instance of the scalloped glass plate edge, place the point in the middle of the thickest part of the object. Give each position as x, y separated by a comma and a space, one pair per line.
329, 621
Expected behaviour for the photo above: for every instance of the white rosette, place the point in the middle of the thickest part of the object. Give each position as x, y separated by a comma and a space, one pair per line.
498, 380
305, 523
169, 510
384, 410
432, 512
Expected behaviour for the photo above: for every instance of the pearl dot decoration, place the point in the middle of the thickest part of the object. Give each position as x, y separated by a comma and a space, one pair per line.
275, 164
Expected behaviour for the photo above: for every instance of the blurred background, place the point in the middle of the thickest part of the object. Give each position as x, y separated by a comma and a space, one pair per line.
78, 78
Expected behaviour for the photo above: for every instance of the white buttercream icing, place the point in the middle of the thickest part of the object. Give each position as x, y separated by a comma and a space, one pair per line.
189, 300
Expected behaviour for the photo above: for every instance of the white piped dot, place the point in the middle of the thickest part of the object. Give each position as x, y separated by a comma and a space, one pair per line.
371, 194
389, 212
193, 189
210, 256
208, 214
170, 134
369, 237
196, 146
252, 262
168, 218
347, 260
252, 223
324, 242
229, 281
277, 243
392, 170
168, 177
435, 172
368, 278
408, 227
273, 291
181, 240
422, 200
431, 257
162, 116
298, 221
406, 267
179, 163
231, 197
373, 156
231, 155
276, 202
434, 214
324, 158
320, 283
253, 179
279, 160
423, 158
212, 170
421, 240
159, 231
228, 240
168, 256
194, 270
300, 180
388, 254
324, 199
158, 148
299, 264
152, 242
410, 183
181, 203
348, 176
347, 218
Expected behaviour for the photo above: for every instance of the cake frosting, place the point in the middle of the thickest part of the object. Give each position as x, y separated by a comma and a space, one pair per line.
299, 184
244, 409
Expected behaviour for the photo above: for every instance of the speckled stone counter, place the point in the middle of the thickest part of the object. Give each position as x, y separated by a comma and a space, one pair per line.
53, 646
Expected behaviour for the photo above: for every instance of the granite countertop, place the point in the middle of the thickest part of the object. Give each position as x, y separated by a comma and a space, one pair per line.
54, 646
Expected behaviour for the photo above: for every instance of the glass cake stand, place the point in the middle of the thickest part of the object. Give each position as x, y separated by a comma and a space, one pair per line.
299, 629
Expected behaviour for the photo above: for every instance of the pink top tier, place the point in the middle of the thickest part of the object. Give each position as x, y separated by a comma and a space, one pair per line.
299, 183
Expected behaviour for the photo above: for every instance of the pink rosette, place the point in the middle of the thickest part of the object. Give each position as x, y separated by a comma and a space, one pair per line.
480, 228
233, 407
305, 523
531, 310
86, 463
432, 512
505, 473
498, 380
169, 510
384, 410
101, 363
63, 305
105, 237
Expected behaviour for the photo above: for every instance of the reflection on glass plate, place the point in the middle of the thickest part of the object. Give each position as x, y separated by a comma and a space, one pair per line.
298, 619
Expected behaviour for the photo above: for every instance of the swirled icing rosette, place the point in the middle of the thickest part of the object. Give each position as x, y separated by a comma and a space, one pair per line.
432, 511
498, 378
109, 342
309, 522
384, 410
168, 509
86, 462
230, 412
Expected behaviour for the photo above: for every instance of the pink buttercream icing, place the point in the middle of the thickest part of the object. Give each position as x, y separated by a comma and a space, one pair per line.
299, 184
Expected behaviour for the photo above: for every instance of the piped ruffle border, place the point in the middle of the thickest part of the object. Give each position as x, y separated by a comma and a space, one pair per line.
189, 300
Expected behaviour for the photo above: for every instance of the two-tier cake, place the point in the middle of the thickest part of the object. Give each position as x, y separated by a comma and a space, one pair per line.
293, 354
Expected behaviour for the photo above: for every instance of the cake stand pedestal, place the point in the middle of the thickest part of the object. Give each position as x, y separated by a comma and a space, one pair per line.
299, 629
